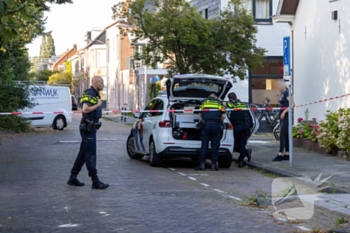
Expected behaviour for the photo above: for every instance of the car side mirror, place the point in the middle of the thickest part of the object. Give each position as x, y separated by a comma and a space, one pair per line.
137, 115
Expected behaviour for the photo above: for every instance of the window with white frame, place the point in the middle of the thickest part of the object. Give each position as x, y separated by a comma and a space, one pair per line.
100, 58
261, 9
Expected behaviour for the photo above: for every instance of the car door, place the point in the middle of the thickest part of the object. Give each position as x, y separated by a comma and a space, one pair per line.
255, 121
151, 120
139, 131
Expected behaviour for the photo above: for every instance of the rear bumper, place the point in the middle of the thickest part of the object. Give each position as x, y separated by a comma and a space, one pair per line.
179, 152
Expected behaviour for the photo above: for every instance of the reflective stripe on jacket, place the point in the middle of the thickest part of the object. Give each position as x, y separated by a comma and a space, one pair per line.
212, 103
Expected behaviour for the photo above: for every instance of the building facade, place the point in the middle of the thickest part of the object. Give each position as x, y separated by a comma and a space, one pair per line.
321, 54
261, 82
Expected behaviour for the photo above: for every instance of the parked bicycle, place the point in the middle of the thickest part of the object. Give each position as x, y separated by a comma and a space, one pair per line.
271, 116
276, 131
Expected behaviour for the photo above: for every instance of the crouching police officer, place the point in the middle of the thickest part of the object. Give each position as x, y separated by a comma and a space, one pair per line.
241, 121
92, 112
210, 131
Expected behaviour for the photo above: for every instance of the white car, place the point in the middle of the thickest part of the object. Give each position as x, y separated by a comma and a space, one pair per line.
167, 127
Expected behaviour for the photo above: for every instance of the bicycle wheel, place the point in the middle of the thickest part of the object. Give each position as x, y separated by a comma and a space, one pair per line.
262, 121
276, 134
257, 113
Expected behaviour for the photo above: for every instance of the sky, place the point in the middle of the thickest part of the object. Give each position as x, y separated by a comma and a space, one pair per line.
70, 22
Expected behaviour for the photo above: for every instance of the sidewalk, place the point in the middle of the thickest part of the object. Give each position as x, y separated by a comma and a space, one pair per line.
335, 198
118, 118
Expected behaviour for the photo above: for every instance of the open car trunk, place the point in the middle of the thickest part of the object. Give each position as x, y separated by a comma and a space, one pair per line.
184, 124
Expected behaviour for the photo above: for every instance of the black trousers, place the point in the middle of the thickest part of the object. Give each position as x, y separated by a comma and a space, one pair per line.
87, 154
284, 136
240, 133
210, 132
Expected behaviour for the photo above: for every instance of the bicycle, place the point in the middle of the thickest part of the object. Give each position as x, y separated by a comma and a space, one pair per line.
276, 131
257, 113
271, 116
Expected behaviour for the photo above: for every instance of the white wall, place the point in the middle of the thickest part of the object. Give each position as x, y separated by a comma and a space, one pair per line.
321, 60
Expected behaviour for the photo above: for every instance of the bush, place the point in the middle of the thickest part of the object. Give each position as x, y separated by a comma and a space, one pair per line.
306, 129
343, 124
14, 123
329, 131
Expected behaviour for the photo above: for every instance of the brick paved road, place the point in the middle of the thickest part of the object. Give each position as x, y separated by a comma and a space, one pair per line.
34, 196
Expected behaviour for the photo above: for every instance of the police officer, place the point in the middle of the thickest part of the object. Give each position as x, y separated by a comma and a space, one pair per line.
241, 121
92, 112
210, 130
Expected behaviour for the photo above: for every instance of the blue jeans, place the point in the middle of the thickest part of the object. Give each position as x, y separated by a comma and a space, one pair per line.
240, 133
210, 132
87, 154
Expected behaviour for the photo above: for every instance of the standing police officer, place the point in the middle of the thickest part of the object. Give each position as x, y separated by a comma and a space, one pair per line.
92, 112
211, 128
241, 121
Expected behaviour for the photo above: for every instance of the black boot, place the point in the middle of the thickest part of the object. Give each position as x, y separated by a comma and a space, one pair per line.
249, 154
201, 167
214, 167
73, 180
97, 184
240, 163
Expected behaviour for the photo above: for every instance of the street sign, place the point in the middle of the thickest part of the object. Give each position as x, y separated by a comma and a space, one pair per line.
286, 56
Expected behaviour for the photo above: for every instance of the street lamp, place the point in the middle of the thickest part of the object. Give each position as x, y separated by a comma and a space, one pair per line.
144, 90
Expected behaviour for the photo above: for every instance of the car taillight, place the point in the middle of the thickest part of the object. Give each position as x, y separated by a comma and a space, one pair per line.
164, 124
229, 126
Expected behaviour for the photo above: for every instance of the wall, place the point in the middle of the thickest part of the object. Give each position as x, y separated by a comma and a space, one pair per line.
322, 56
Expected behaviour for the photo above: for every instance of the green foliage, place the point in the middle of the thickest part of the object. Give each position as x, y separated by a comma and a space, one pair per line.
47, 47
306, 129
329, 131
343, 124
340, 221
153, 89
64, 77
43, 75
178, 33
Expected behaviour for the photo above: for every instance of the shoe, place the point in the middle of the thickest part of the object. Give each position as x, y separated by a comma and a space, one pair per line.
278, 158
201, 167
214, 167
73, 181
97, 184
240, 164
249, 154
285, 157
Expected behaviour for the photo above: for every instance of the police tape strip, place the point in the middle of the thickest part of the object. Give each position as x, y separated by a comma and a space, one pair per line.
182, 110
150, 111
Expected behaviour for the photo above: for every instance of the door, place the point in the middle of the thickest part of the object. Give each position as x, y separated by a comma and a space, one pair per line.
140, 133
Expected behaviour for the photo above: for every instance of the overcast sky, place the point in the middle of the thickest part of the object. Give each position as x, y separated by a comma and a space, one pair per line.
69, 23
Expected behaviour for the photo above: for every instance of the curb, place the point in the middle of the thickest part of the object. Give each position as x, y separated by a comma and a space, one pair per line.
281, 173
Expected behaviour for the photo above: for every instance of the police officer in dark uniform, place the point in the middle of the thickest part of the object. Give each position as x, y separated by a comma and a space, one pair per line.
92, 112
241, 121
210, 131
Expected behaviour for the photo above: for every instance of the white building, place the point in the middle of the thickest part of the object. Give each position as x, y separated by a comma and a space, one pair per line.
321, 48
261, 81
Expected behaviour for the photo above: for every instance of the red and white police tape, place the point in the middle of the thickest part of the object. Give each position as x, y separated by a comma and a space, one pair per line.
180, 110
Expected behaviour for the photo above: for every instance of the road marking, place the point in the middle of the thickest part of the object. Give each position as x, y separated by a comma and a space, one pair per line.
171, 169
258, 141
191, 178
106, 215
180, 173
193, 174
67, 208
102, 212
218, 190
63, 142
204, 174
303, 228
233, 197
282, 219
69, 225
205, 185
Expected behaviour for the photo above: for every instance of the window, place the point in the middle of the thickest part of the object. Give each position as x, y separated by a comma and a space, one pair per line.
261, 9
100, 58
206, 13
155, 104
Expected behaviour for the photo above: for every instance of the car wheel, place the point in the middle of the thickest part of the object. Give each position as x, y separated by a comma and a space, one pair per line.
130, 148
225, 162
154, 159
59, 122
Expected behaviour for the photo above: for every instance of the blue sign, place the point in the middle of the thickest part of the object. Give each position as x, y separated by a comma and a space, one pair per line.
154, 79
286, 56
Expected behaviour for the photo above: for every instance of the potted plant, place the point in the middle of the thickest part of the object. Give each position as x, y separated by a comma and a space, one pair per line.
343, 142
298, 134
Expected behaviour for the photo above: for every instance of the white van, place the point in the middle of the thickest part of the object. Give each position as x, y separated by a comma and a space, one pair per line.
53, 106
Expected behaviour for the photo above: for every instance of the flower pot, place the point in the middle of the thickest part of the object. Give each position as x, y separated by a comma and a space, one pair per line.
307, 145
297, 142
322, 150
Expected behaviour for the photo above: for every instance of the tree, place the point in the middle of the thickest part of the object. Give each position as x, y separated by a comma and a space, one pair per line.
177, 32
64, 77
43, 75
47, 47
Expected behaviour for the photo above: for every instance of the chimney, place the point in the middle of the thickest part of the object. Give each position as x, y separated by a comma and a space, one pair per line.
75, 46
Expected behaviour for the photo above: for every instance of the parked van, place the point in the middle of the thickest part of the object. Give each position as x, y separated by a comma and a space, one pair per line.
53, 106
